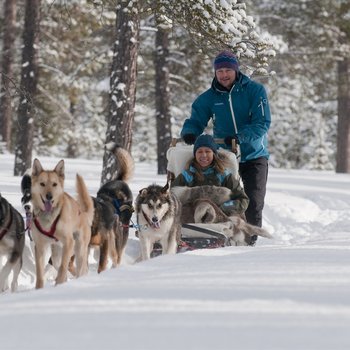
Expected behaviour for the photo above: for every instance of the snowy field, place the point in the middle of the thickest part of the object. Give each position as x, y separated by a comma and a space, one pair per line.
289, 293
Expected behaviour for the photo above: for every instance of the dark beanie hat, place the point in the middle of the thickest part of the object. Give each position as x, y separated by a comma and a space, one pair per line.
205, 141
226, 59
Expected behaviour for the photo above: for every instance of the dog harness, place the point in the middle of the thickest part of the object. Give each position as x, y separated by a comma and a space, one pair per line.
52, 230
6, 229
119, 208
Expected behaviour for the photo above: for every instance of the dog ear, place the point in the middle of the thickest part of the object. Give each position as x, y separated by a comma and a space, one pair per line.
37, 167
59, 168
165, 189
143, 192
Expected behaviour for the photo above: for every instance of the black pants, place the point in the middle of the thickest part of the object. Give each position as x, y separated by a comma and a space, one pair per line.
254, 176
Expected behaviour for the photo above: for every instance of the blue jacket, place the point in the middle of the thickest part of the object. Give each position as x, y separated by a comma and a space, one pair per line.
246, 103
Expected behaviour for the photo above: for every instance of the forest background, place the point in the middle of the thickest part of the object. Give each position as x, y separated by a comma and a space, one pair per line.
76, 75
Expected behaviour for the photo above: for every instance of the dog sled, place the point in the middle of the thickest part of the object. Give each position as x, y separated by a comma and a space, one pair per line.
201, 223
200, 235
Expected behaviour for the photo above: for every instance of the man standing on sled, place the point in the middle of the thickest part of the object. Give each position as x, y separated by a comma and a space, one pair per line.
240, 111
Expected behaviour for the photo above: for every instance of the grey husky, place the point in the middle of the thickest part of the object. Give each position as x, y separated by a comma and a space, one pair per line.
12, 239
201, 206
216, 194
158, 214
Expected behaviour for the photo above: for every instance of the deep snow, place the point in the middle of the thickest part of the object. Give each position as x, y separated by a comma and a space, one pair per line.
288, 293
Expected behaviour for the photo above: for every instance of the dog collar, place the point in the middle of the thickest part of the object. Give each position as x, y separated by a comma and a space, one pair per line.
52, 230
6, 229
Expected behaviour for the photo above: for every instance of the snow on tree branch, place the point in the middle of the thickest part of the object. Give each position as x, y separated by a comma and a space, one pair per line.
217, 24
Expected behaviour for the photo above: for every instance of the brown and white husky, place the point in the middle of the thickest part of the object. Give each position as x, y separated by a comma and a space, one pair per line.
59, 222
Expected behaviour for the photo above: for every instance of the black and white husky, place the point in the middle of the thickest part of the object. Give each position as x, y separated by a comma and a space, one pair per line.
158, 213
12, 241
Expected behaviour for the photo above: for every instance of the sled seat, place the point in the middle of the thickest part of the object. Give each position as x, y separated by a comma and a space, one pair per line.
179, 154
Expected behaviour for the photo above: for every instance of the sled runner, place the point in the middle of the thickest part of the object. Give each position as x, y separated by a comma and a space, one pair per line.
196, 236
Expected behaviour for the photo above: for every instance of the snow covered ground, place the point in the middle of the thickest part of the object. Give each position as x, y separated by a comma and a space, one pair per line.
289, 293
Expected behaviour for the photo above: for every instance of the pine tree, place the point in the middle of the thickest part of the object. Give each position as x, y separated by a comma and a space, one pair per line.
122, 83
7, 71
317, 48
29, 79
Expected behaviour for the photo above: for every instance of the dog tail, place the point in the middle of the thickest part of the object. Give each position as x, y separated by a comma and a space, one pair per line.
26, 188
125, 162
249, 229
84, 199
261, 232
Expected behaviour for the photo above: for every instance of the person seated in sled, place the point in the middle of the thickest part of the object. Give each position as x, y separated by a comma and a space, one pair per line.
215, 193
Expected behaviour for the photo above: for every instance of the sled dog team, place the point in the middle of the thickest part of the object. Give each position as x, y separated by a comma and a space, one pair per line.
63, 228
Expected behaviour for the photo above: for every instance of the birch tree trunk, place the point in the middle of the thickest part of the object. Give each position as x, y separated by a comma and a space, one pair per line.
9, 31
122, 84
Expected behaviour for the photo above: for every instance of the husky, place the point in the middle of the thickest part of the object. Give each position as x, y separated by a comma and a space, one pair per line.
158, 213
239, 232
188, 195
12, 239
113, 211
198, 203
242, 232
201, 206
59, 221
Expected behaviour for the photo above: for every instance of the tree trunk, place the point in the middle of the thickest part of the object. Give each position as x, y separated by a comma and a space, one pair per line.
343, 137
162, 98
122, 84
29, 78
9, 26
73, 142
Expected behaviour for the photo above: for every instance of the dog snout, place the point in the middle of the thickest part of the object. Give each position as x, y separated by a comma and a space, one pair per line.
125, 217
154, 219
49, 196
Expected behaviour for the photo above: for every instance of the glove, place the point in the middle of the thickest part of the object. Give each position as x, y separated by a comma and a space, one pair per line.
228, 140
189, 138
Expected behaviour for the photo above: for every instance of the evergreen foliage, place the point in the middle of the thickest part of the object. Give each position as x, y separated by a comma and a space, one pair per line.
75, 57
